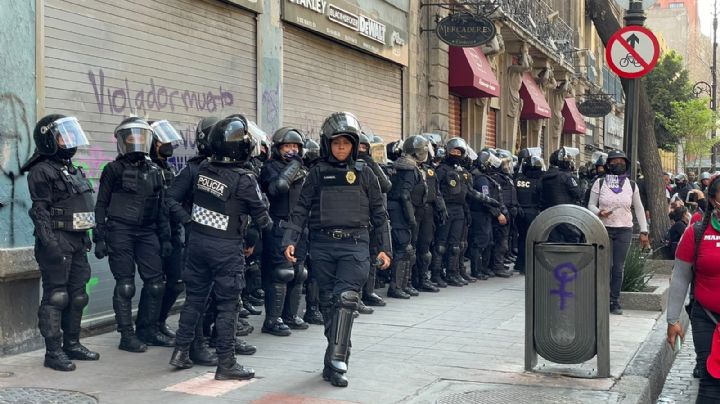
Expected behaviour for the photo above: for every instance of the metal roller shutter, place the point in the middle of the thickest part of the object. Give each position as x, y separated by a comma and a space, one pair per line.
321, 77
454, 116
178, 60
491, 137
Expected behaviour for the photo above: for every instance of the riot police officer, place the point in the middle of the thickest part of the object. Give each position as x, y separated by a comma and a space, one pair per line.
165, 138
311, 155
62, 212
132, 228
558, 186
281, 179
225, 197
407, 194
340, 203
484, 214
528, 195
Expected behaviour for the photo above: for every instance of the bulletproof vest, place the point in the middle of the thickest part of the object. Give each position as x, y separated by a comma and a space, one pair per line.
417, 191
485, 185
554, 190
507, 188
418, 195
343, 199
138, 200
282, 205
527, 191
74, 210
168, 174
431, 183
216, 211
452, 184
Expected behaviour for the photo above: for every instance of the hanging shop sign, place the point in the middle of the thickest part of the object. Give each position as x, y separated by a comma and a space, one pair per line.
595, 108
465, 30
347, 23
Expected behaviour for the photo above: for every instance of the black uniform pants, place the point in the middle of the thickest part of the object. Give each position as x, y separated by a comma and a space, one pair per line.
217, 263
523, 224
131, 245
500, 248
425, 217
451, 233
69, 275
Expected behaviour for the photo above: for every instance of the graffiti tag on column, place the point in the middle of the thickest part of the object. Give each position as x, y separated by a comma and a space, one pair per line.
564, 273
155, 97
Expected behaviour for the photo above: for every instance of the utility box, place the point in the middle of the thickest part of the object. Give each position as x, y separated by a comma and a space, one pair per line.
567, 290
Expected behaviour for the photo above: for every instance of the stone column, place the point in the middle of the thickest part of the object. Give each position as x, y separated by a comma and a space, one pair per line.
557, 102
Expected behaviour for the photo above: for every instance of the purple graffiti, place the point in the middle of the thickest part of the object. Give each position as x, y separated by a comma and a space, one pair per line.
155, 97
564, 273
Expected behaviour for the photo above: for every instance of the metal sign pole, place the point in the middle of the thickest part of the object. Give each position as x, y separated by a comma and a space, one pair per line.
634, 16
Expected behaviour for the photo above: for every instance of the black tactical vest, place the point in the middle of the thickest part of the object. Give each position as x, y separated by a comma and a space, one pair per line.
74, 211
487, 186
431, 182
554, 190
216, 212
453, 184
527, 194
138, 200
281, 205
343, 199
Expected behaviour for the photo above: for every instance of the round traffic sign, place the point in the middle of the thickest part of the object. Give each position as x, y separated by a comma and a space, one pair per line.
632, 52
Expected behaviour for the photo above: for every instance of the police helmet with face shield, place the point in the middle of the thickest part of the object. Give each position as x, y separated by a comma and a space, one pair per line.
416, 147
531, 159
564, 158
287, 135
165, 133
336, 125
134, 135
55, 132
230, 141
506, 160
599, 158
456, 143
393, 150
311, 151
202, 132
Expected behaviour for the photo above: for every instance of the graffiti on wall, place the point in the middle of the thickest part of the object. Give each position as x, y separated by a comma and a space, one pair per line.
15, 149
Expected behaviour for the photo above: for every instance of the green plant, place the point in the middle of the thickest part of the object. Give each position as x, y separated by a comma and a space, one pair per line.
635, 278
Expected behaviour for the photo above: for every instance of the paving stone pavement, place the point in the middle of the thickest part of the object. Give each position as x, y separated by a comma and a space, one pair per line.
460, 345
680, 387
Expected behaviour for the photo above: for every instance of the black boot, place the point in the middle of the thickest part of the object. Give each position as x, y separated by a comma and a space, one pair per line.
229, 369
369, 297
274, 300
436, 270
313, 315
363, 309
335, 378
49, 316
422, 262
373, 299
72, 316
338, 333
243, 328
151, 299
172, 291
181, 358
130, 342
122, 305
397, 279
243, 348
291, 306
199, 352
56, 358
407, 285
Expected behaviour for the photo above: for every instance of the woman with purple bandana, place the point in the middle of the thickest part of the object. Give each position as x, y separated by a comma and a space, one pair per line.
611, 199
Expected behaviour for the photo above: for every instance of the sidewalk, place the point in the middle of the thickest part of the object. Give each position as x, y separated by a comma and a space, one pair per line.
460, 345
680, 386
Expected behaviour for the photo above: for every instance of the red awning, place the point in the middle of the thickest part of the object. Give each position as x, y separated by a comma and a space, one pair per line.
534, 104
471, 75
574, 121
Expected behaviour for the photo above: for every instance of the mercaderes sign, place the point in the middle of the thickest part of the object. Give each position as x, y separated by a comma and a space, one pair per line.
347, 23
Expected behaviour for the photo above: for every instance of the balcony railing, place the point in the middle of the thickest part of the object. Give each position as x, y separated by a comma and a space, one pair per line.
539, 20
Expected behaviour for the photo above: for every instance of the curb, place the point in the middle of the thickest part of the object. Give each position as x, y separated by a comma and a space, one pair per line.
644, 377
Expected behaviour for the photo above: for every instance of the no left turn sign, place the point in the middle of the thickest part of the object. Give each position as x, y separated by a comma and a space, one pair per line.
632, 52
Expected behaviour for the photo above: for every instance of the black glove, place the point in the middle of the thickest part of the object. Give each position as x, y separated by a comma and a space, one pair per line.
54, 253
442, 217
166, 249
87, 244
101, 250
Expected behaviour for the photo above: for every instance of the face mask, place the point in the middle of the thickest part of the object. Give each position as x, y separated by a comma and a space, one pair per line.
289, 155
453, 159
166, 150
617, 169
65, 154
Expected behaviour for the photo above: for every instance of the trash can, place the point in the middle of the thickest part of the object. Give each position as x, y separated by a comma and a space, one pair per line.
567, 291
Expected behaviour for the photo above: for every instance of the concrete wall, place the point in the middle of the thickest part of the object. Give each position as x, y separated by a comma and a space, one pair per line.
17, 118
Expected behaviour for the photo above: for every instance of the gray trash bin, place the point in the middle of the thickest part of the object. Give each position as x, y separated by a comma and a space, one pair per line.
567, 291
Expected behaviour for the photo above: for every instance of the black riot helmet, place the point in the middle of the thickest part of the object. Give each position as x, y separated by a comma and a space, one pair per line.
336, 125
456, 143
564, 158
134, 136
59, 134
488, 160
364, 139
166, 136
287, 135
416, 147
202, 133
614, 167
526, 161
230, 141
311, 151
393, 150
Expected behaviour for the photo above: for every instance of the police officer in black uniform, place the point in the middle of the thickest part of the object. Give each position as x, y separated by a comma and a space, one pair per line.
559, 186
62, 212
281, 179
311, 155
407, 194
132, 228
340, 203
225, 197
165, 138
484, 213
448, 237
368, 297
528, 194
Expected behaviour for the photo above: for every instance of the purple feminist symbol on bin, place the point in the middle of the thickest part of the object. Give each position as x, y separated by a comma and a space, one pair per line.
564, 273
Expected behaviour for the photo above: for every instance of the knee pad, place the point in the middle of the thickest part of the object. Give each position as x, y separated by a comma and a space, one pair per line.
228, 305
455, 250
155, 289
441, 249
283, 273
349, 299
59, 299
125, 288
79, 300
300, 275
426, 257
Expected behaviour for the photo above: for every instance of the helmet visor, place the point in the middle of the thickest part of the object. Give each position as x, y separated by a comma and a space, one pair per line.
68, 133
259, 135
135, 140
572, 152
166, 133
471, 154
535, 151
